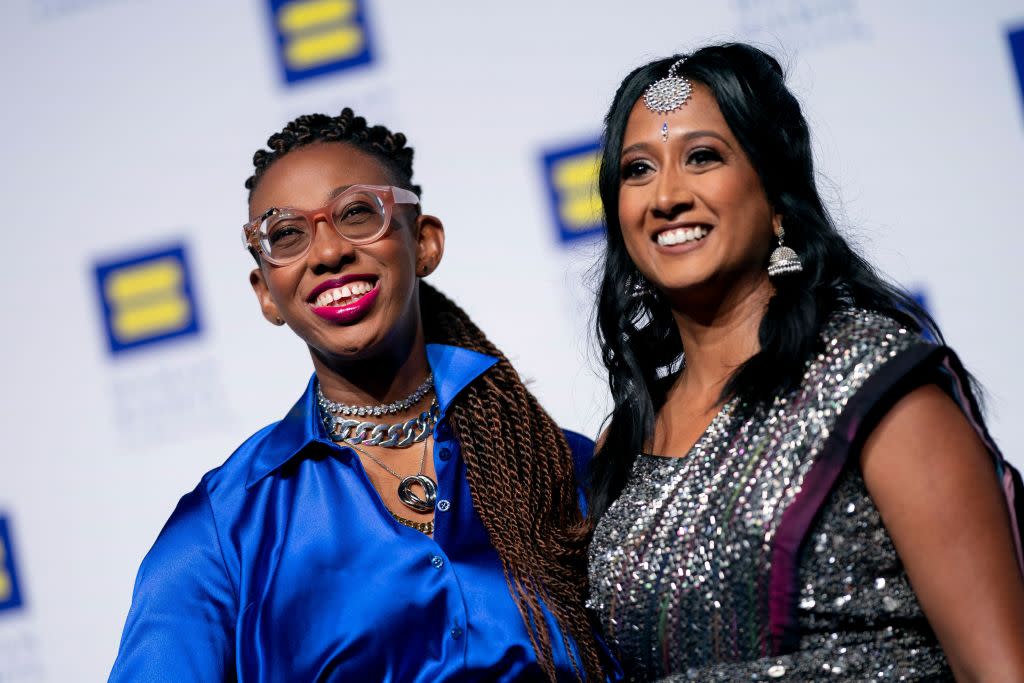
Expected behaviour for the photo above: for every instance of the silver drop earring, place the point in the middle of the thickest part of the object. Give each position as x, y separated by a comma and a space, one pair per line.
783, 260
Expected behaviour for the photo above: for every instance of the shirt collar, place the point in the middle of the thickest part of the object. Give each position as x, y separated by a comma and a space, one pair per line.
453, 368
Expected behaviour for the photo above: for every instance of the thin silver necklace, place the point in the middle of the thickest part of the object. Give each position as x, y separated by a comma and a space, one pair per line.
405, 492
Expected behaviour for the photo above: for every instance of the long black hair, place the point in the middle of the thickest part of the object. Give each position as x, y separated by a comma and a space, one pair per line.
640, 343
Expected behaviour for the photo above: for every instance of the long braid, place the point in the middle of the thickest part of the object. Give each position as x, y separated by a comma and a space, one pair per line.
519, 465
522, 480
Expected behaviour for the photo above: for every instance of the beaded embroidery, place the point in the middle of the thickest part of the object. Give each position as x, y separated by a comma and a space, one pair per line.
681, 563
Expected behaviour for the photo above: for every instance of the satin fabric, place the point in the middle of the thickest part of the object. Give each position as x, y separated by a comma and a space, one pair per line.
284, 565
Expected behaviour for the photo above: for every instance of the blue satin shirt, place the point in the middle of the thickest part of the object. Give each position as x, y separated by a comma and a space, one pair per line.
284, 565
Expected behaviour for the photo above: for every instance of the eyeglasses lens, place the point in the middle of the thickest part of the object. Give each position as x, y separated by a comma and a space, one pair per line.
355, 216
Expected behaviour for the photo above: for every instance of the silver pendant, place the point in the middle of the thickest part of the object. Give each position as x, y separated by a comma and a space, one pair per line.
411, 500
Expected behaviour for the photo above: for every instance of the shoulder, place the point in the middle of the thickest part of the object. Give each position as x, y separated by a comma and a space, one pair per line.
582, 451
195, 526
582, 454
856, 346
232, 474
582, 447
857, 332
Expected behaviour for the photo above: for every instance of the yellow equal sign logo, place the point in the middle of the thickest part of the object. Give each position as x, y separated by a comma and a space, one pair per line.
6, 584
147, 299
320, 36
572, 181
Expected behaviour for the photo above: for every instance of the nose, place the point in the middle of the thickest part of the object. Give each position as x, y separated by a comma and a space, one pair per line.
672, 195
329, 250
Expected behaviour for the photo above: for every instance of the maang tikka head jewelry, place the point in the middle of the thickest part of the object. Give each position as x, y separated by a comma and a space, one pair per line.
667, 94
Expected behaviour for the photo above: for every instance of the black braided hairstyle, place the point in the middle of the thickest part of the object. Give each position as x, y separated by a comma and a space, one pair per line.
518, 462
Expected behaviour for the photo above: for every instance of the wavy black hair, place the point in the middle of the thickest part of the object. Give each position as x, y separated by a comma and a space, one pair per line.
640, 343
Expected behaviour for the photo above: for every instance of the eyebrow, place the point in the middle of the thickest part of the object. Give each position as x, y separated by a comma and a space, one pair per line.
338, 191
642, 146
331, 196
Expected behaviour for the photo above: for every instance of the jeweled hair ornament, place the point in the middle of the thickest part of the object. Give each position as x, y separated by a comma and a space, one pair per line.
667, 94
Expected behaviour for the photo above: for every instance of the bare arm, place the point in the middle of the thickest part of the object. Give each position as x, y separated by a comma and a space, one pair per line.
934, 484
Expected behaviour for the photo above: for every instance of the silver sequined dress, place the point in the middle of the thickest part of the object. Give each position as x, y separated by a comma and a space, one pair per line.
759, 555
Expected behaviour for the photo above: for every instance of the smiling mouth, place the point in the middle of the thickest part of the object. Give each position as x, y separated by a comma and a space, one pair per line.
668, 238
344, 295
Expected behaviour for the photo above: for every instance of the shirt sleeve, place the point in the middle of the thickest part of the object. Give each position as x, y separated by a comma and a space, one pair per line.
180, 625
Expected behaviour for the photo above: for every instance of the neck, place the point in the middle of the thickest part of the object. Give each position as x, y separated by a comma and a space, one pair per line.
719, 334
384, 377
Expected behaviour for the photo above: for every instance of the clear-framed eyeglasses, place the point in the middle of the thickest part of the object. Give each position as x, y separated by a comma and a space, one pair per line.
361, 214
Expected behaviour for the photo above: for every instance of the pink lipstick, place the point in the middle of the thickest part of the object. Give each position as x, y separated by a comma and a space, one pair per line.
351, 312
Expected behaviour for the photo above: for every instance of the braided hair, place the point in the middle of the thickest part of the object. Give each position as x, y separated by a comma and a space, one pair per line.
518, 463
387, 147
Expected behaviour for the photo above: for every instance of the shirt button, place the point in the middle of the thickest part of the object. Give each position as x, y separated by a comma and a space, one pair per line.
443, 505
456, 633
445, 454
437, 561
444, 432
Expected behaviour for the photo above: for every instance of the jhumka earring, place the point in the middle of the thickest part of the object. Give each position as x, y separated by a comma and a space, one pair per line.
667, 94
783, 260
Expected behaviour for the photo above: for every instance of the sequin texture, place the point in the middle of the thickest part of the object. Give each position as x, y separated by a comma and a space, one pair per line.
681, 564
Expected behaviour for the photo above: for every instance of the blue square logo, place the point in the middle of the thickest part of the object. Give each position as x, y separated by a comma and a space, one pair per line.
10, 591
1016, 37
320, 37
147, 298
570, 174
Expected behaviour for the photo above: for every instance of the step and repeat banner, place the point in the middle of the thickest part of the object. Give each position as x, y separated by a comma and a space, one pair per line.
135, 355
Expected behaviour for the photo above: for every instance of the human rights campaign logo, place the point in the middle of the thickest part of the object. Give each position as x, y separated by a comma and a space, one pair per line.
318, 37
147, 298
571, 177
10, 592
1016, 37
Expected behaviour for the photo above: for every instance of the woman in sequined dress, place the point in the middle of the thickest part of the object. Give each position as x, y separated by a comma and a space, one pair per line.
794, 483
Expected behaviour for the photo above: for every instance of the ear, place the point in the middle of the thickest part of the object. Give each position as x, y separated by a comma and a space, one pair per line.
429, 244
267, 305
776, 223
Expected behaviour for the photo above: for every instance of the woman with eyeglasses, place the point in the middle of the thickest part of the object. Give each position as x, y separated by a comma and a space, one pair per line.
415, 516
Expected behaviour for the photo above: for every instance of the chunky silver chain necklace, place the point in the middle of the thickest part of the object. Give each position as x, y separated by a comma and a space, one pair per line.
378, 410
398, 435
340, 427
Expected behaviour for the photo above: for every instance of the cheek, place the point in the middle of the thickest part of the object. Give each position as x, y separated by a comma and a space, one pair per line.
629, 201
398, 259
281, 280
631, 215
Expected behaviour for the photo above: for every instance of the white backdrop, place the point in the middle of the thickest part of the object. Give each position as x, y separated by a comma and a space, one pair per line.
127, 131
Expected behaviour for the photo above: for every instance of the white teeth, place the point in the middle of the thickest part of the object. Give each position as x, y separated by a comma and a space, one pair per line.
681, 235
350, 290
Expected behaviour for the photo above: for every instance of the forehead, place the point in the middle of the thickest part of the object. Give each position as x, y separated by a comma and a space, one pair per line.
304, 177
700, 112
